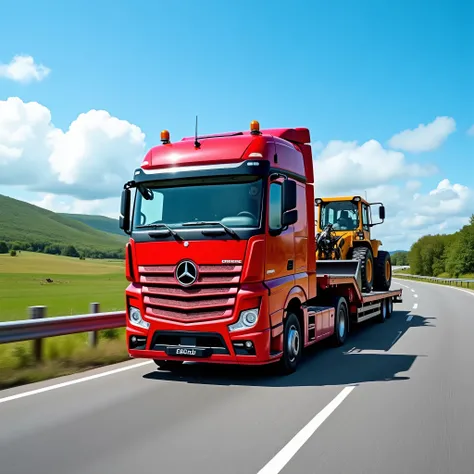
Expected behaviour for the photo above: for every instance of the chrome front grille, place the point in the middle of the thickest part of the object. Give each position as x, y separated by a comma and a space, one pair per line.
212, 296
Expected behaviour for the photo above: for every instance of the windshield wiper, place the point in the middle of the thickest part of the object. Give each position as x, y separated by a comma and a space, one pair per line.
157, 226
227, 229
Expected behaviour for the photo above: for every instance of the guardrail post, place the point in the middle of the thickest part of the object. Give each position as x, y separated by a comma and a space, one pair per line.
37, 312
94, 335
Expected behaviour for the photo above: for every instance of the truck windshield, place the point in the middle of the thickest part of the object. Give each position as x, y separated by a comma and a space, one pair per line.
342, 215
234, 202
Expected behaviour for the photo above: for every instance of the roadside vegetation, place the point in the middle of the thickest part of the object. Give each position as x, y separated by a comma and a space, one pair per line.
444, 255
66, 286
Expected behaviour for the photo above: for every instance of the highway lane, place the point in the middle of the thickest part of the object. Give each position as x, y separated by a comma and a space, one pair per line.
410, 409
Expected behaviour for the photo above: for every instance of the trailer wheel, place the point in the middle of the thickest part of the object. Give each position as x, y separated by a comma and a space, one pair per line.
366, 259
341, 323
389, 307
383, 271
383, 310
168, 364
292, 345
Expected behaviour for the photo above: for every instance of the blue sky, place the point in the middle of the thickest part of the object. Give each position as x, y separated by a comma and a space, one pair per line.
350, 71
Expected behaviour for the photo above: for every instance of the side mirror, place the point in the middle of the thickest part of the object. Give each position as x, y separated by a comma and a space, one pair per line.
288, 195
289, 217
382, 212
124, 219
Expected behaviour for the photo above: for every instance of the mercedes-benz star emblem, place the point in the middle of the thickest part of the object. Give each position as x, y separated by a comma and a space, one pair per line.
186, 273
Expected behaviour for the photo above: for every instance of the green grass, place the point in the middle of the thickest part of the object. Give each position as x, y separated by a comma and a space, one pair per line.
76, 283
23, 222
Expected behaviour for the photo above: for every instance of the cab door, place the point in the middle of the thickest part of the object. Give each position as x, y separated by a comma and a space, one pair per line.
280, 248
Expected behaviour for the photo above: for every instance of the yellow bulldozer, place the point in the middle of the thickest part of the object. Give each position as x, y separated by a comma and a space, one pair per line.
343, 227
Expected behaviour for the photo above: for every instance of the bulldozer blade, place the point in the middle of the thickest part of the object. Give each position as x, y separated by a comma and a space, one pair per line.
340, 268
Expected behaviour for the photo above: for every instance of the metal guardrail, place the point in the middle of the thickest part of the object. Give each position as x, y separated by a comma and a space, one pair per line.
39, 326
461, 282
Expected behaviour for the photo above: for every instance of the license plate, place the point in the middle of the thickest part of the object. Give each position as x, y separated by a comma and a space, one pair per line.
188, 351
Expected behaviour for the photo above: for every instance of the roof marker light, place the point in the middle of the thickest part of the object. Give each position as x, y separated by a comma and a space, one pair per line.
254, 127
165, 137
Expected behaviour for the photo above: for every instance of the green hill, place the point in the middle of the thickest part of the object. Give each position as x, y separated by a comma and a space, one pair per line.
105, 224
27, 227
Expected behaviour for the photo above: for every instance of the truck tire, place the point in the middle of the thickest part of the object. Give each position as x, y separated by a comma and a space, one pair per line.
341, 321
366, 259
292, 345
383, 311
168, 364
383, 271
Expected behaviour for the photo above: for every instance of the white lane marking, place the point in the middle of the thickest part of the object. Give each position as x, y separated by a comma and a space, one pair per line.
416, 296
350, 350
281, 459
413, 291
398, 335
73, 382
410, 317
401, 284
469, 292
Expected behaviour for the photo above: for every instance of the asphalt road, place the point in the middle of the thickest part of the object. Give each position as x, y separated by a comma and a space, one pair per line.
397, 398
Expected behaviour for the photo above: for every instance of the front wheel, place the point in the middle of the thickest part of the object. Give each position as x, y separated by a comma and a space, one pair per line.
292, 345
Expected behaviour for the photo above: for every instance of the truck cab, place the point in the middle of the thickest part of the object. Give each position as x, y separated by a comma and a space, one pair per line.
219, 244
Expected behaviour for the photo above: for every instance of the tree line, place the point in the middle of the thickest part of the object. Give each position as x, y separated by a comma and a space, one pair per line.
67, 250
450, 255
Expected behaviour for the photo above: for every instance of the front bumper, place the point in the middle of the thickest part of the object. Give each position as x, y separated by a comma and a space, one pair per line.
206, 345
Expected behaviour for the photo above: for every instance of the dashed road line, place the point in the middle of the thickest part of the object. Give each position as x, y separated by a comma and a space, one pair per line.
398, 335
284, 456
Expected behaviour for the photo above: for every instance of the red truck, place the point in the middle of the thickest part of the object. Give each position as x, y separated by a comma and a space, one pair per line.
221, 257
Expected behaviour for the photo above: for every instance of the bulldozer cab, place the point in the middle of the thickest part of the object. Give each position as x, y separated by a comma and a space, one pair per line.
343, 226
347, 214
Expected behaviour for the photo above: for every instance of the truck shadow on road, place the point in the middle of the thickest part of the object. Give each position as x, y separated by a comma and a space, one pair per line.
322, 365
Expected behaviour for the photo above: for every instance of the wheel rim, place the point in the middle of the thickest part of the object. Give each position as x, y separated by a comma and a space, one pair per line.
369, 270
342, 324
387, 270
293, 343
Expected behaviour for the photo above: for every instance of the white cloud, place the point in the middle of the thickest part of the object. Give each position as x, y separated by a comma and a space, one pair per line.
24, 69
342, 166
471, 131
424, 137
411, 215
345, 168
91, 160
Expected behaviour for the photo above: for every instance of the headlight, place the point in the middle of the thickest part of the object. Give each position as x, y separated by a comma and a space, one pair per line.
248, 319
135, 318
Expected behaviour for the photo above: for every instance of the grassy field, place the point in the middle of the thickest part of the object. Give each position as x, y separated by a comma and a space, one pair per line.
75, 284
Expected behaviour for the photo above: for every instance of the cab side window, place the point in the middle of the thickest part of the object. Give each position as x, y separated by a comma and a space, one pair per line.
274, 213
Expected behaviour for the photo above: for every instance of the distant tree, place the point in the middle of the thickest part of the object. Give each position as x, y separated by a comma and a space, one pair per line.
3, 247
70, 251
13, 253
